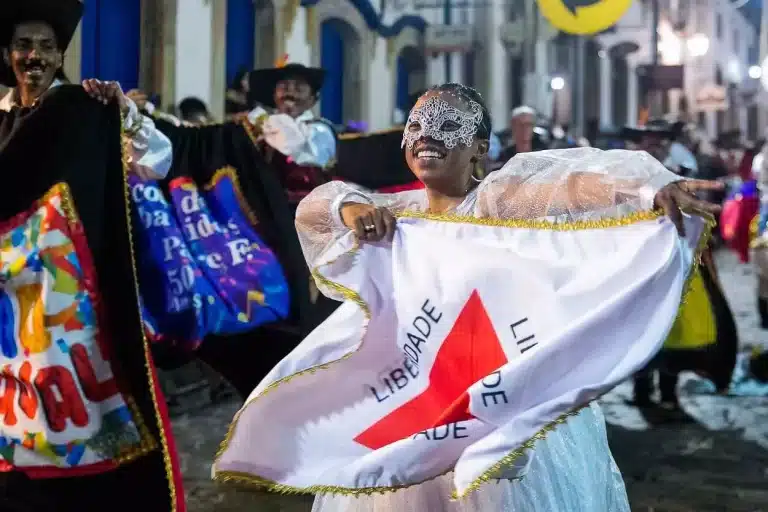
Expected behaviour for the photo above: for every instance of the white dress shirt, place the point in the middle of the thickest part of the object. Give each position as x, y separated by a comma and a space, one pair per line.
680, 156
152, 148
304, 139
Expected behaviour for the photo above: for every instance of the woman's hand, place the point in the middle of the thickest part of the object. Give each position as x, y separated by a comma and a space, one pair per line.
106, 92
679, 196
370, 223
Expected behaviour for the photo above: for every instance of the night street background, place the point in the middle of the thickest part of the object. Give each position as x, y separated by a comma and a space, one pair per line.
717, 463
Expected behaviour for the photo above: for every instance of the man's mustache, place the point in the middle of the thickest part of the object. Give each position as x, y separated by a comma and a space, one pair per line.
289, 98
31, 63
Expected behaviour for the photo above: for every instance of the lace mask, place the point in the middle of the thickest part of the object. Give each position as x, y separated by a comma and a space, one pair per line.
432, 116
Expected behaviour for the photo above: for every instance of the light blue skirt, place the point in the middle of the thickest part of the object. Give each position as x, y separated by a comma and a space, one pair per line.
572, 470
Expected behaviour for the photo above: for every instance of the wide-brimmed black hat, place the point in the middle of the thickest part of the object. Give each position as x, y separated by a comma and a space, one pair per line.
729, 139
62, 15
651, 129
262, 82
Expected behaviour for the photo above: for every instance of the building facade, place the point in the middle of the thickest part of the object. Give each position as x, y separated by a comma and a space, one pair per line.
715, 42
378, 52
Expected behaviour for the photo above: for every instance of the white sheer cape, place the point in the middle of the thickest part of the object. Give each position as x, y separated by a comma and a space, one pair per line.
572, 469
559, 185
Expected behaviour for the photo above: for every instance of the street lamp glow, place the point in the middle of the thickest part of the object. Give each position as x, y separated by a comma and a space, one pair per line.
557, 83
755, 72
698, 45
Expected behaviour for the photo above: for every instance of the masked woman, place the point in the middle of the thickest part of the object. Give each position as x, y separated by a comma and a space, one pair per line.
446, 141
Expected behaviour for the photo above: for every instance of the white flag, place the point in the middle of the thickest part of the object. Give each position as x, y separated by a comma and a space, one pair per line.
459, 343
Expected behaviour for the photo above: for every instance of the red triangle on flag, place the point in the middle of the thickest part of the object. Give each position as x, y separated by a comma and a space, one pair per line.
470, 352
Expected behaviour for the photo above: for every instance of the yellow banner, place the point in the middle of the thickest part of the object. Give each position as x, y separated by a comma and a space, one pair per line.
583, 17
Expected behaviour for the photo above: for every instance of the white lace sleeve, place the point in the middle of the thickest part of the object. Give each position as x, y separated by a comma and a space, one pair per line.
572, 184
318, 221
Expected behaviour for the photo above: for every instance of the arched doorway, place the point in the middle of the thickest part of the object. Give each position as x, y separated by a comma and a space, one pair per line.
111, 43
340, 57
411, 75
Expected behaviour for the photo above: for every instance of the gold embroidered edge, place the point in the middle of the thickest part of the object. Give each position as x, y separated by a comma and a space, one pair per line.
167, 462
231, 173
577, 225
247, 480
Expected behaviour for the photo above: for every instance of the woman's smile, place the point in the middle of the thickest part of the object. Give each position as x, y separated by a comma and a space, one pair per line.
428, 153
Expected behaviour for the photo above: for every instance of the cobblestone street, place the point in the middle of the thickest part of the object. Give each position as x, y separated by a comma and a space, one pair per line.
719, 462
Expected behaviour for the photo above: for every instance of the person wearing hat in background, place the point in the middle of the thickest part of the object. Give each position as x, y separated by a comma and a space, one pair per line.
289, 128
34, 36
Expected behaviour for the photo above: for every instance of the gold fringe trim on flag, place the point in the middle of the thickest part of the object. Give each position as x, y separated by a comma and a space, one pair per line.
231, 173
571, 225
254, 481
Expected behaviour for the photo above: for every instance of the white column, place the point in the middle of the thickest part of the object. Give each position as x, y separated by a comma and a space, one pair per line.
435, 69
632, 93
73, 55
606, 91
380, 97
498, 67
674, 100
744, 120
457, 67
194, 45
711, 124
218, 78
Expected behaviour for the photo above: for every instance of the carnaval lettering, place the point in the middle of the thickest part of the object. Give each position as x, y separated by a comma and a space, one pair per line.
58, 395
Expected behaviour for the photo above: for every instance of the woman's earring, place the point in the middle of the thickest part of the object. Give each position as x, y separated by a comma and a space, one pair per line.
477, 172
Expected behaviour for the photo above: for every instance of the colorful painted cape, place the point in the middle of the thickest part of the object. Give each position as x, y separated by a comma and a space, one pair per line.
199, 156
225, 154
204, 269
78, 393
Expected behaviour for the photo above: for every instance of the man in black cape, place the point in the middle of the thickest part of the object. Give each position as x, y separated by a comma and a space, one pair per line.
70, 144
83, 425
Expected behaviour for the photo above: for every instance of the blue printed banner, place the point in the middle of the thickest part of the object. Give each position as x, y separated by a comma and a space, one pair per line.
203, 269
